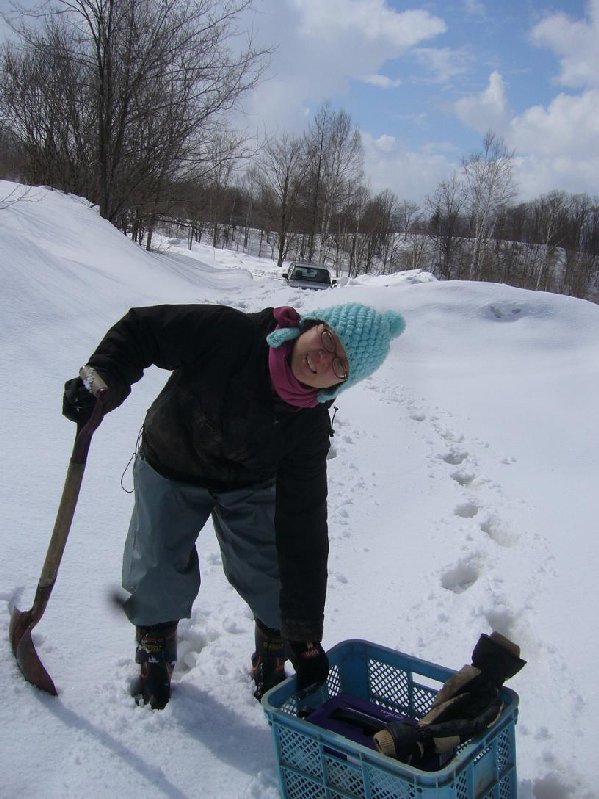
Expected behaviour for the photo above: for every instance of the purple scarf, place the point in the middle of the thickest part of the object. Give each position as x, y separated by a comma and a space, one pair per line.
287, 386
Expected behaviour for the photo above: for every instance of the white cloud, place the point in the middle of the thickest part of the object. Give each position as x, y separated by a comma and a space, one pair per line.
536, 176
384, 143
372, 19
382, 81
322, 47
475, 8
488, 110
558, 145
576, 44
442, 63
555, 145
568, 126
411, 174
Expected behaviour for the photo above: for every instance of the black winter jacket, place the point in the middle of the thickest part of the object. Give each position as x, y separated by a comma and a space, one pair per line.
218, 423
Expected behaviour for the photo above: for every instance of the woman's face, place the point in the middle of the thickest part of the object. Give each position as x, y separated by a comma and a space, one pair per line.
311, 363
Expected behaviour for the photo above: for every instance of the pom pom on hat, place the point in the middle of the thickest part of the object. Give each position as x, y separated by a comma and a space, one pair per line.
288, 326
365, 334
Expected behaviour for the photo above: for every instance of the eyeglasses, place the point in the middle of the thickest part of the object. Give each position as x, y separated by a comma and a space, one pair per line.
340, 365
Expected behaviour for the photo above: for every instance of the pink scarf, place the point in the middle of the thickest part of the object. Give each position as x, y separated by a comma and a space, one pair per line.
287, 386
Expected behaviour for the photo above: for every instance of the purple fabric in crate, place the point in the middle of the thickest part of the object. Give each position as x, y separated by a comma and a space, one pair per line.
354, 718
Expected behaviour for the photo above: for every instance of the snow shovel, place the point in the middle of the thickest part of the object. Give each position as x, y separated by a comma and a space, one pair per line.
23, 622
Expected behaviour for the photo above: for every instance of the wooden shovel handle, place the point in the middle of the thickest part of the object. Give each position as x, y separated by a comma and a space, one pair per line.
70, 495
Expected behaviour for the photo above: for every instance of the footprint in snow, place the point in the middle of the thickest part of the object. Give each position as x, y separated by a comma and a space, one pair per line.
461, 577
462, 477
467, 510
454, 457
499, 531
504, 311
450, 435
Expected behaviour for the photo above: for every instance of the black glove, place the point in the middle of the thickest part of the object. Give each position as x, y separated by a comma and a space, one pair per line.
310, 662
77, 402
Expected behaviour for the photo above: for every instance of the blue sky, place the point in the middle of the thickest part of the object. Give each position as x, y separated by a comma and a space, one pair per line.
424, 81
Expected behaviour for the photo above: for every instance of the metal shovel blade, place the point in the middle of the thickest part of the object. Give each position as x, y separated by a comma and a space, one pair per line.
31, 666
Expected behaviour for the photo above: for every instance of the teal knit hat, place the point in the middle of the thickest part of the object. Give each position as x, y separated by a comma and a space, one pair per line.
364, 332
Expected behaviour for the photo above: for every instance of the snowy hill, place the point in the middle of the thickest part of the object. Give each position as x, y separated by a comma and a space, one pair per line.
463, 498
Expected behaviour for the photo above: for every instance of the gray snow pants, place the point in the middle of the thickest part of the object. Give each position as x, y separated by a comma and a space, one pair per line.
160, 561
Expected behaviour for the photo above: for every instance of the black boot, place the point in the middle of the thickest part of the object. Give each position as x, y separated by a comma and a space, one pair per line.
268, 661
156, 653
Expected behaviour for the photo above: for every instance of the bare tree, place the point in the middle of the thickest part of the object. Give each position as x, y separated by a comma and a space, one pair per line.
278, 172
383, 228
357, 224
225, 150
445, 207
11, 154
46, 107
580, 242
489, 187
333, 165
154, 78
343, 170
548, 218
408, 215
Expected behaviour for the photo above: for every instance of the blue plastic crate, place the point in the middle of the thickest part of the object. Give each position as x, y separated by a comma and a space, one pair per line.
315, 763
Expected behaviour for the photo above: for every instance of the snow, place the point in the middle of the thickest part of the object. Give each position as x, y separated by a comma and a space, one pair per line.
463, 498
